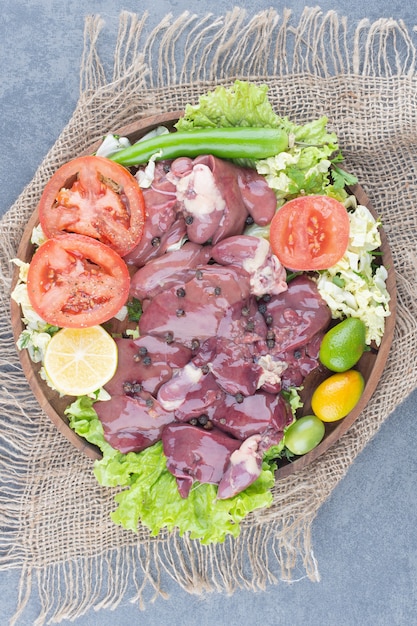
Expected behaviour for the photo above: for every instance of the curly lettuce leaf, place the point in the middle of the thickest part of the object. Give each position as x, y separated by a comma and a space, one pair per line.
151, 495
242, 104
84, 420
153, 499
315, 133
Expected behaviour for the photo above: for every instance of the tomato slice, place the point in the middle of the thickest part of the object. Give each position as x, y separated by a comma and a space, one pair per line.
75, 281
310, 233
93, 196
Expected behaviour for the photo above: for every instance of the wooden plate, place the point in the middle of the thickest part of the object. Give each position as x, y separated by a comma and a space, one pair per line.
371, 364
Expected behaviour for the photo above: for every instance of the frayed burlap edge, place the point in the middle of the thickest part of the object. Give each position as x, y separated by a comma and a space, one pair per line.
154, 72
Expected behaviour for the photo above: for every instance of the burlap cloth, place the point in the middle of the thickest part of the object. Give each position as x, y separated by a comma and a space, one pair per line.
54, 517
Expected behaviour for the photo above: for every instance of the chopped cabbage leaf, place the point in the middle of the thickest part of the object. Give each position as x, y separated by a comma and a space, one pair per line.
305, 168
112, 144
37, 333
355, 287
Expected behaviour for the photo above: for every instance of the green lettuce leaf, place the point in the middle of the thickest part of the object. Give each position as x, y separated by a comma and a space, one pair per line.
242, 104
150, 493
315, 133
153, 499
84, 421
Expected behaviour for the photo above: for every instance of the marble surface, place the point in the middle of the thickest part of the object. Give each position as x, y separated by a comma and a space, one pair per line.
364, 536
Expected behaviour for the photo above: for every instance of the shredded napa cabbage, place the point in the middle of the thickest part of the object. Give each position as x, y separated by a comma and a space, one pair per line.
112, 144
37, 333
305, 168
356, 286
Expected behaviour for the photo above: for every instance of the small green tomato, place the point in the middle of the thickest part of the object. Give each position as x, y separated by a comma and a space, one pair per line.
304, 434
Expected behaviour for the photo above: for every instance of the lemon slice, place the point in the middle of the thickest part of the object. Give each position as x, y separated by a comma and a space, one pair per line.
79, 361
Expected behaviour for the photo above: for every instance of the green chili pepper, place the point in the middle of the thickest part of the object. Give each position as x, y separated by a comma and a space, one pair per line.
226, 143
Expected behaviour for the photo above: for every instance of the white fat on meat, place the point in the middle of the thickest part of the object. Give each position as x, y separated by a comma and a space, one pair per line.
267, 275
199, 193
245, 465
271, 370
246, 456
252, 263
172, 394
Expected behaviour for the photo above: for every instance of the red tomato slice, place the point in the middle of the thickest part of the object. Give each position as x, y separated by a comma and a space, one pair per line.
310, 233
75, 281
93, 196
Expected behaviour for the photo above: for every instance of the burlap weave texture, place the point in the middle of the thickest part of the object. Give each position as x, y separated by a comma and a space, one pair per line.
363, 79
